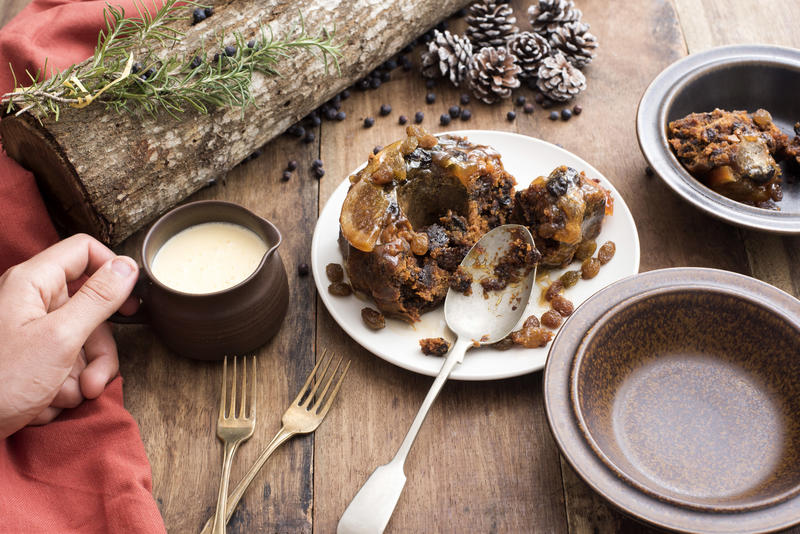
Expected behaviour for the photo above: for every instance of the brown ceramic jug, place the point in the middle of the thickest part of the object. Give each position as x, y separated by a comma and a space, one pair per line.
209, 326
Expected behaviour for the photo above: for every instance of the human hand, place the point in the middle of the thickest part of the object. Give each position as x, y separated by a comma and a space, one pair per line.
57, 350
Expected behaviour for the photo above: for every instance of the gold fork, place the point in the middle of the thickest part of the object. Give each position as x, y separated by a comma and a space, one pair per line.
304, 415
234, 425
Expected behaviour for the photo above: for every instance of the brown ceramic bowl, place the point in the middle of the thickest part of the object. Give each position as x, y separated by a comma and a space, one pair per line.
208, 326
676, 395
742, 77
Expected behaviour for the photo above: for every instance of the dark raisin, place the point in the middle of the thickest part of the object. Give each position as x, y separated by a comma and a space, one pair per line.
302, 269
465, 99
520, 101
454, 111
198, 15
230, 50
319, 172
208, 11
385, 110
466, 114
296, 131
330, 114
554, 289
590, 268
334, 272
528, 108
562, 305
292, 165
566, 114
648, 171
606, 252
538, 98
577, 110
316, 163
570, 278
585, 249
196, 61
375, 83
340, 289
251, 43
341, 115
419, 117
430, 98
553, 115
345, 94
373, 318
377, 149
551, 319
402, 119
369, 122
309, 137
444, 120
511, 115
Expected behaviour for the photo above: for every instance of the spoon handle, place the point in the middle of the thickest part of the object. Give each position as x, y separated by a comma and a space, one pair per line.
455, 356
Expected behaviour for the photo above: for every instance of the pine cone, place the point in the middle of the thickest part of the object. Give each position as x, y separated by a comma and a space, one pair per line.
559, 80
530, 49
493, 74
575, 42
448, 55
490, 23
547, 15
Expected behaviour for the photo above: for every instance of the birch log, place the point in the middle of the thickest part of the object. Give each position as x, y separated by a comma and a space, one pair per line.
108, 174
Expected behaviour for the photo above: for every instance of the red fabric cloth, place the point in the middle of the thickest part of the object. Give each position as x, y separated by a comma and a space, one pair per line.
87, 471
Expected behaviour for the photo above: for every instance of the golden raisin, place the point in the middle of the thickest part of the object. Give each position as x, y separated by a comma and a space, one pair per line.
590, 268
554, 289
373, 318
606, 252
551, 319
531, 322
419, 244
531, 338
340, 289
570, 278
585, 249
335, 272
562, 305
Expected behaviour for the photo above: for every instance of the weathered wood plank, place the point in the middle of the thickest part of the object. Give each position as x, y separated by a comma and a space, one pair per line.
10, 8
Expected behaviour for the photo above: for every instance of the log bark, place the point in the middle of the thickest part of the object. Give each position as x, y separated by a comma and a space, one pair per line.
109, 174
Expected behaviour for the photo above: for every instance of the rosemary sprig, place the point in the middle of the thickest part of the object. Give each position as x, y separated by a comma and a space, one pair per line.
126, 73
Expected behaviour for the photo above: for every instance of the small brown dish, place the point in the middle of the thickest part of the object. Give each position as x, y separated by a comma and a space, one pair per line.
676, 395
742, 77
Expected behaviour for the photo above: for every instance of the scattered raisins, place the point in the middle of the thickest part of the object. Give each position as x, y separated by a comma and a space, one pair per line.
606, 252
531, 322
585, 249
340, 289
570, 278
335, 272
373, 318
590, 268
554, 289
551, 319
302, 269
562, 305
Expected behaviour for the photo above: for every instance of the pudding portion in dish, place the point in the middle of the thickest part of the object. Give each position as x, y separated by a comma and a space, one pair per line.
734, 153
562, 211
412, 214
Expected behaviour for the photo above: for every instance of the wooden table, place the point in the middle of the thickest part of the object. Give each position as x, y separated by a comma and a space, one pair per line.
485, 460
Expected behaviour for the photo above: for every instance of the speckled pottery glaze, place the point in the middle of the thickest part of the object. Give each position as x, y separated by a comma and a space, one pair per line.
676, 395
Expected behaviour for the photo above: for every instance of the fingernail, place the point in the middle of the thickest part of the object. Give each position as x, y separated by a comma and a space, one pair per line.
121, 267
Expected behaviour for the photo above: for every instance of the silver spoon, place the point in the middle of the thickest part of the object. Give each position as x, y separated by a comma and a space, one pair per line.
476, 320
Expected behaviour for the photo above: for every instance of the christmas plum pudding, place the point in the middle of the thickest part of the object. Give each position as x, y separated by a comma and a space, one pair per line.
413, 212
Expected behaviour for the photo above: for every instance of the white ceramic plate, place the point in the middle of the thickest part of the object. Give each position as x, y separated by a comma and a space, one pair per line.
525, 158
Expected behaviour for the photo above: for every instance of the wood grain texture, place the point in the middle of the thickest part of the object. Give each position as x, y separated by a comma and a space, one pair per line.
111, 173
10, 8
485, 460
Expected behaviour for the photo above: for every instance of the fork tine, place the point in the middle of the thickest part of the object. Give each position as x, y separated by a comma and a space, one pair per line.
255, 391
311, 375
327, 385
317, 382
232, 405
332, 396
223, 396
243, 403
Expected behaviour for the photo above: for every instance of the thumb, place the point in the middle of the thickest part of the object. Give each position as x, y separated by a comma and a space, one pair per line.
99, 297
